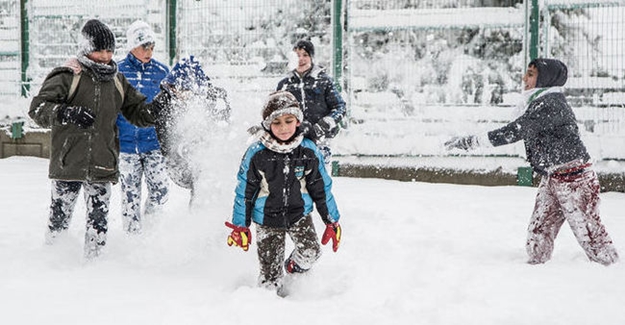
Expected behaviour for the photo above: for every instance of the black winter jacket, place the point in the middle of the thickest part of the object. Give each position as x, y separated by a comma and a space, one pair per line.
316, 94
278, 189
549, 130
90, 154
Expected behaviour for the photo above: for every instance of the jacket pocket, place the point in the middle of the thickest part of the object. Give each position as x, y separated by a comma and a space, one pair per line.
73, 152
105, 163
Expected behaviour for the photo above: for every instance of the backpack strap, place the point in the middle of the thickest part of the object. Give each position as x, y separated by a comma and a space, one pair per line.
76, 80
119, 86
73, 86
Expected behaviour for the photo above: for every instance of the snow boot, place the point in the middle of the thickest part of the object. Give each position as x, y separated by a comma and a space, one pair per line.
291, 267
94, 243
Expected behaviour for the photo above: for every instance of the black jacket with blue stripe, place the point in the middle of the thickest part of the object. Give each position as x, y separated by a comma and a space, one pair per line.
278, 189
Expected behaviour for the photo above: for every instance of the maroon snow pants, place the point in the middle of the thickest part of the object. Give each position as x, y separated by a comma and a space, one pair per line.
574, 199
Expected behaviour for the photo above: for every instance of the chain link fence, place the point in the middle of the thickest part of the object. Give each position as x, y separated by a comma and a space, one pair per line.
402, 58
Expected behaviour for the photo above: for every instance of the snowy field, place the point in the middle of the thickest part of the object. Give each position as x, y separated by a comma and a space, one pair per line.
412, 253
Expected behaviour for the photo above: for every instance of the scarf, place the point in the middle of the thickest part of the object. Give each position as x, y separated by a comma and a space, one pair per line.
274, 145
529, 96
101, 72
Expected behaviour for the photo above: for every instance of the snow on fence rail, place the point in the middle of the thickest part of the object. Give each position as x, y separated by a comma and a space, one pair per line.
422, 132
434, 18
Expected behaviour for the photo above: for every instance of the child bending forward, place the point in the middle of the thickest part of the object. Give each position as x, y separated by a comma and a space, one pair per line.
280, 177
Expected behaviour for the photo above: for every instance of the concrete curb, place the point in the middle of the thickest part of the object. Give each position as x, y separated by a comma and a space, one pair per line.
610, 182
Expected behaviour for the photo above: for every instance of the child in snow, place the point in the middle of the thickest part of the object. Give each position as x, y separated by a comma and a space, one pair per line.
190, 109
140, 157
280, 177
79, 102
321, 102
569, 189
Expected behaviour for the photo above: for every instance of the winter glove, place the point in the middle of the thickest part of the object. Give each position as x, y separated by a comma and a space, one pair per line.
333, 231
80, 116
464, 143
240, 236
325, 128
158, 104
308, 130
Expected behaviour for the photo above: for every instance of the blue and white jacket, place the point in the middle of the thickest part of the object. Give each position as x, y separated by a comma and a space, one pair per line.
277, 188
146, 78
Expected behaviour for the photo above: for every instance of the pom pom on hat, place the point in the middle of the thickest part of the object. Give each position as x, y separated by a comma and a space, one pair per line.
139, 33
96, 37
280, 103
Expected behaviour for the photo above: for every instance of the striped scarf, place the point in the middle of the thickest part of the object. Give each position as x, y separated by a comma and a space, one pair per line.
274, 145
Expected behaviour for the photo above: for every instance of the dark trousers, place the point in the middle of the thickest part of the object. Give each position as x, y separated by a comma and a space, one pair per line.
271, 249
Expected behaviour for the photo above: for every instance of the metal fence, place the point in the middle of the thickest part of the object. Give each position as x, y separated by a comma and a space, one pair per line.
589, 38
427, 69
49, 32
10, 48
472, 52
436, 52
252, 39
469, 52
396, 54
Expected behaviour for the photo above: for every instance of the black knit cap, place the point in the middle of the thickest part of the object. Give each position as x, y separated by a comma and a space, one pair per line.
306, 46
97, 36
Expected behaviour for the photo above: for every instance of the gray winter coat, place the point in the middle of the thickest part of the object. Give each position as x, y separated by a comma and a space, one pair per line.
89, 154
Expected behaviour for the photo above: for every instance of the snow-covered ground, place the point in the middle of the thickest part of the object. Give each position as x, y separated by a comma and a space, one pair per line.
412, 253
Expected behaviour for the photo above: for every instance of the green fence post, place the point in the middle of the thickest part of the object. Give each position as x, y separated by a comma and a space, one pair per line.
534, 26
25, 43
17, 130
524, 176
335, 168
171, 25
337, 46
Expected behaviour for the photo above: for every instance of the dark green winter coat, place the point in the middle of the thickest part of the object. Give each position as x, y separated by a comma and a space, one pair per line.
87, 154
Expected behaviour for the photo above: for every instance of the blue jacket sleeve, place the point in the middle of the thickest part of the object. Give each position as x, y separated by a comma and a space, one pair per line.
319, 186
247, 187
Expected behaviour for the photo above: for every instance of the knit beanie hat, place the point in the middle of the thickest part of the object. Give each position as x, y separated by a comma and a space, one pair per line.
139, 33
96, 37
551, 72
306, 46
187, 74
280, 103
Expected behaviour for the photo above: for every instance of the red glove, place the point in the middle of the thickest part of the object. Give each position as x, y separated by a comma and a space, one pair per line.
333, 231
240, 236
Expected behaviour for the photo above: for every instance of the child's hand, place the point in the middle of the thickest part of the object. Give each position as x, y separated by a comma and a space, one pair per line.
333, 231
240, 236
81, 116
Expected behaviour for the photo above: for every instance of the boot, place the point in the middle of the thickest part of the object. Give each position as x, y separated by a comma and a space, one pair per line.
94, 243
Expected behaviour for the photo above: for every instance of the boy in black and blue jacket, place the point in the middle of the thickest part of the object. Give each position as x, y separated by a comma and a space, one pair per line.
279, 179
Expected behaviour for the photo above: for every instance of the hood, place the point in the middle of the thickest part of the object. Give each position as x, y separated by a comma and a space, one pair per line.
551, 72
